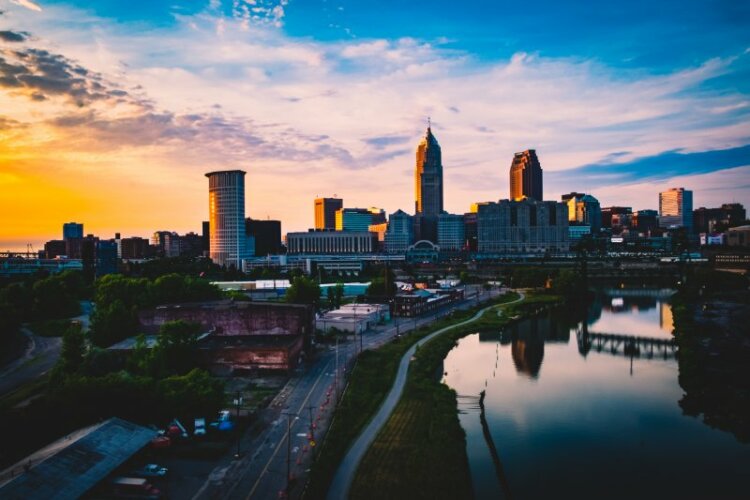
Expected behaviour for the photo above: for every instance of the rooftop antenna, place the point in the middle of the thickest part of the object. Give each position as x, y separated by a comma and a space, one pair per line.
429, 122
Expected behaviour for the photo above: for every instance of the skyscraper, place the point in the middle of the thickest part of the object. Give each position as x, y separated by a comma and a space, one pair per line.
526, 176
428, 177
428, 180
72, 230
325, 212
226, 211
676, 208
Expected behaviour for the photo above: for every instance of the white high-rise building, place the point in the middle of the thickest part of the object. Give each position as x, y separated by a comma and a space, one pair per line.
226, 210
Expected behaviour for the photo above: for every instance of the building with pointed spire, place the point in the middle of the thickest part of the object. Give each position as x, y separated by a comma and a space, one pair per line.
526, 176
428, 182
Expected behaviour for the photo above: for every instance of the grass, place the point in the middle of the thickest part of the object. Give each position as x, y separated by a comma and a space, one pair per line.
369, 383
49, 328
421, 451
24, 392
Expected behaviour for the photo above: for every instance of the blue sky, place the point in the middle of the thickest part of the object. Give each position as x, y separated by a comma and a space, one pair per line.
320, 97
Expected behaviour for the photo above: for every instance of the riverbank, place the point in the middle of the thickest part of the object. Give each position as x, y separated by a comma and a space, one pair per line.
369, 383
710, 319
421, 451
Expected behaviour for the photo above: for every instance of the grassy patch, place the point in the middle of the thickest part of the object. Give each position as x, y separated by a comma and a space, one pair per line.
26, 391
49, 328
421, 451
369, 383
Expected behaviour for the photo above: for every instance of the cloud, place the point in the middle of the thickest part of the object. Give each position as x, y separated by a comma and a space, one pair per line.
386, 141
28, 4
13, 36
660, 167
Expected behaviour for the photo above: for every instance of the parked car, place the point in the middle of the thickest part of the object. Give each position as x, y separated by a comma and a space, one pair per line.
151, 470
161, 442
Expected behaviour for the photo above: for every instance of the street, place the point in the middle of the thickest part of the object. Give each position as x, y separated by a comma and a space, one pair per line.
305, 405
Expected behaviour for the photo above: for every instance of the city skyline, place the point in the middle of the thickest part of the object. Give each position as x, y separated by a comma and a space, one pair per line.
226, 90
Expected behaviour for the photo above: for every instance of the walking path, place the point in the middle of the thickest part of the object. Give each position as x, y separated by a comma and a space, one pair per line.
344, 477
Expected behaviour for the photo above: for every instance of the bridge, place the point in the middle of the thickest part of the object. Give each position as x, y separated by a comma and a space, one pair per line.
626, 345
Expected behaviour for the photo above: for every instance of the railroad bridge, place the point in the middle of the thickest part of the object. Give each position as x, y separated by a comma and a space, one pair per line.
626, 345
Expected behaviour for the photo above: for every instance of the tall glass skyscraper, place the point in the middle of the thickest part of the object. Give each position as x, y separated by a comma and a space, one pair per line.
226, 210
428, 177
428, 180
676, 208
526, 176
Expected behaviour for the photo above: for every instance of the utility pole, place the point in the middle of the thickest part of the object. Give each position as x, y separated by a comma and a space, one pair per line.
238, 402
312, 432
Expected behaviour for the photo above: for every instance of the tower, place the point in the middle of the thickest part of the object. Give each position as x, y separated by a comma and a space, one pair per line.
676, 208
325, 212
526, 176
428, 181
226, 211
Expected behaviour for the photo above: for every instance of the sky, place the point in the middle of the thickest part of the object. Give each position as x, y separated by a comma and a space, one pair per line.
111, 112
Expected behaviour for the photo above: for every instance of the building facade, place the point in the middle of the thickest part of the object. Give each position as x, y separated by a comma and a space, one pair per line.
522, 227
267, 235
584, 209
709, 220
451, 232
676, 208
400, 232
332, 242
526, 176
72, 230
428, 185
226, 210
358, 219
325, 212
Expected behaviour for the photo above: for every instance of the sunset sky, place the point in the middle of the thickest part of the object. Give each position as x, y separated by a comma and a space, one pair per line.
112, 111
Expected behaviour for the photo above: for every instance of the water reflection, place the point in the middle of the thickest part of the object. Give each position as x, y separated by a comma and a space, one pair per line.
555, 407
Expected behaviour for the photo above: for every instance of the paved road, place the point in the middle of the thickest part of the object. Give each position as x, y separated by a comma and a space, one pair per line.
261, 472
40, 356
345, 474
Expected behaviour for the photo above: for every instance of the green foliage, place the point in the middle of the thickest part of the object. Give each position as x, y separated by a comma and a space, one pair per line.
303, 290
73, 349
175, 351
50, 327
378, 288
111, 323
193, 394
236, 295
118, 299
53, 299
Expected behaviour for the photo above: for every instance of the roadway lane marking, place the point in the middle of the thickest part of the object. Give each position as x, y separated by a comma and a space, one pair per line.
268, 464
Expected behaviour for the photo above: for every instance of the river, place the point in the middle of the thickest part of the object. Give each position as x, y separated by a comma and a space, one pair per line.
575, 410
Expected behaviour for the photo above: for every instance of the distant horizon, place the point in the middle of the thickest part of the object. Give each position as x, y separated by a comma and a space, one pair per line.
112, 113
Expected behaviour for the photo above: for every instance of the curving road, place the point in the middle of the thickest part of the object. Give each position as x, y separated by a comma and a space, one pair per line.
342, 481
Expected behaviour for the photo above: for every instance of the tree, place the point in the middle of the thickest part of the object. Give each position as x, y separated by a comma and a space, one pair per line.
303, 290
112, 323
190, 395
73, 348
53, 300
378, 288
338, 294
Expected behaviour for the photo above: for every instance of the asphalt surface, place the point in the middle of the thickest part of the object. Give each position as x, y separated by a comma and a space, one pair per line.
40, 356
344, 476
261, 470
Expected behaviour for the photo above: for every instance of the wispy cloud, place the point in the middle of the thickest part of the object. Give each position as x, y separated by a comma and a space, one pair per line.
28, 4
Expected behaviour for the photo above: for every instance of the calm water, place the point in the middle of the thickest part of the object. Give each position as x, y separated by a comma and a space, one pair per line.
568, 419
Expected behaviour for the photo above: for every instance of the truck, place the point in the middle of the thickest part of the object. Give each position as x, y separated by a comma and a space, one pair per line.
134, 487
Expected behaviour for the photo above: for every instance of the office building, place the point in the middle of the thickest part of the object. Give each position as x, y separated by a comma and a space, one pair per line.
226, 209
325, 212
72, 230
616, 217
400, 232
106, 257
451, 232
358, 219
332, 242
526, 176
54, 248
645, 221
676, 208
709, 220
428, 184
739, 236
134, 248
470, 231
584, 209
267, 235
522, 227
